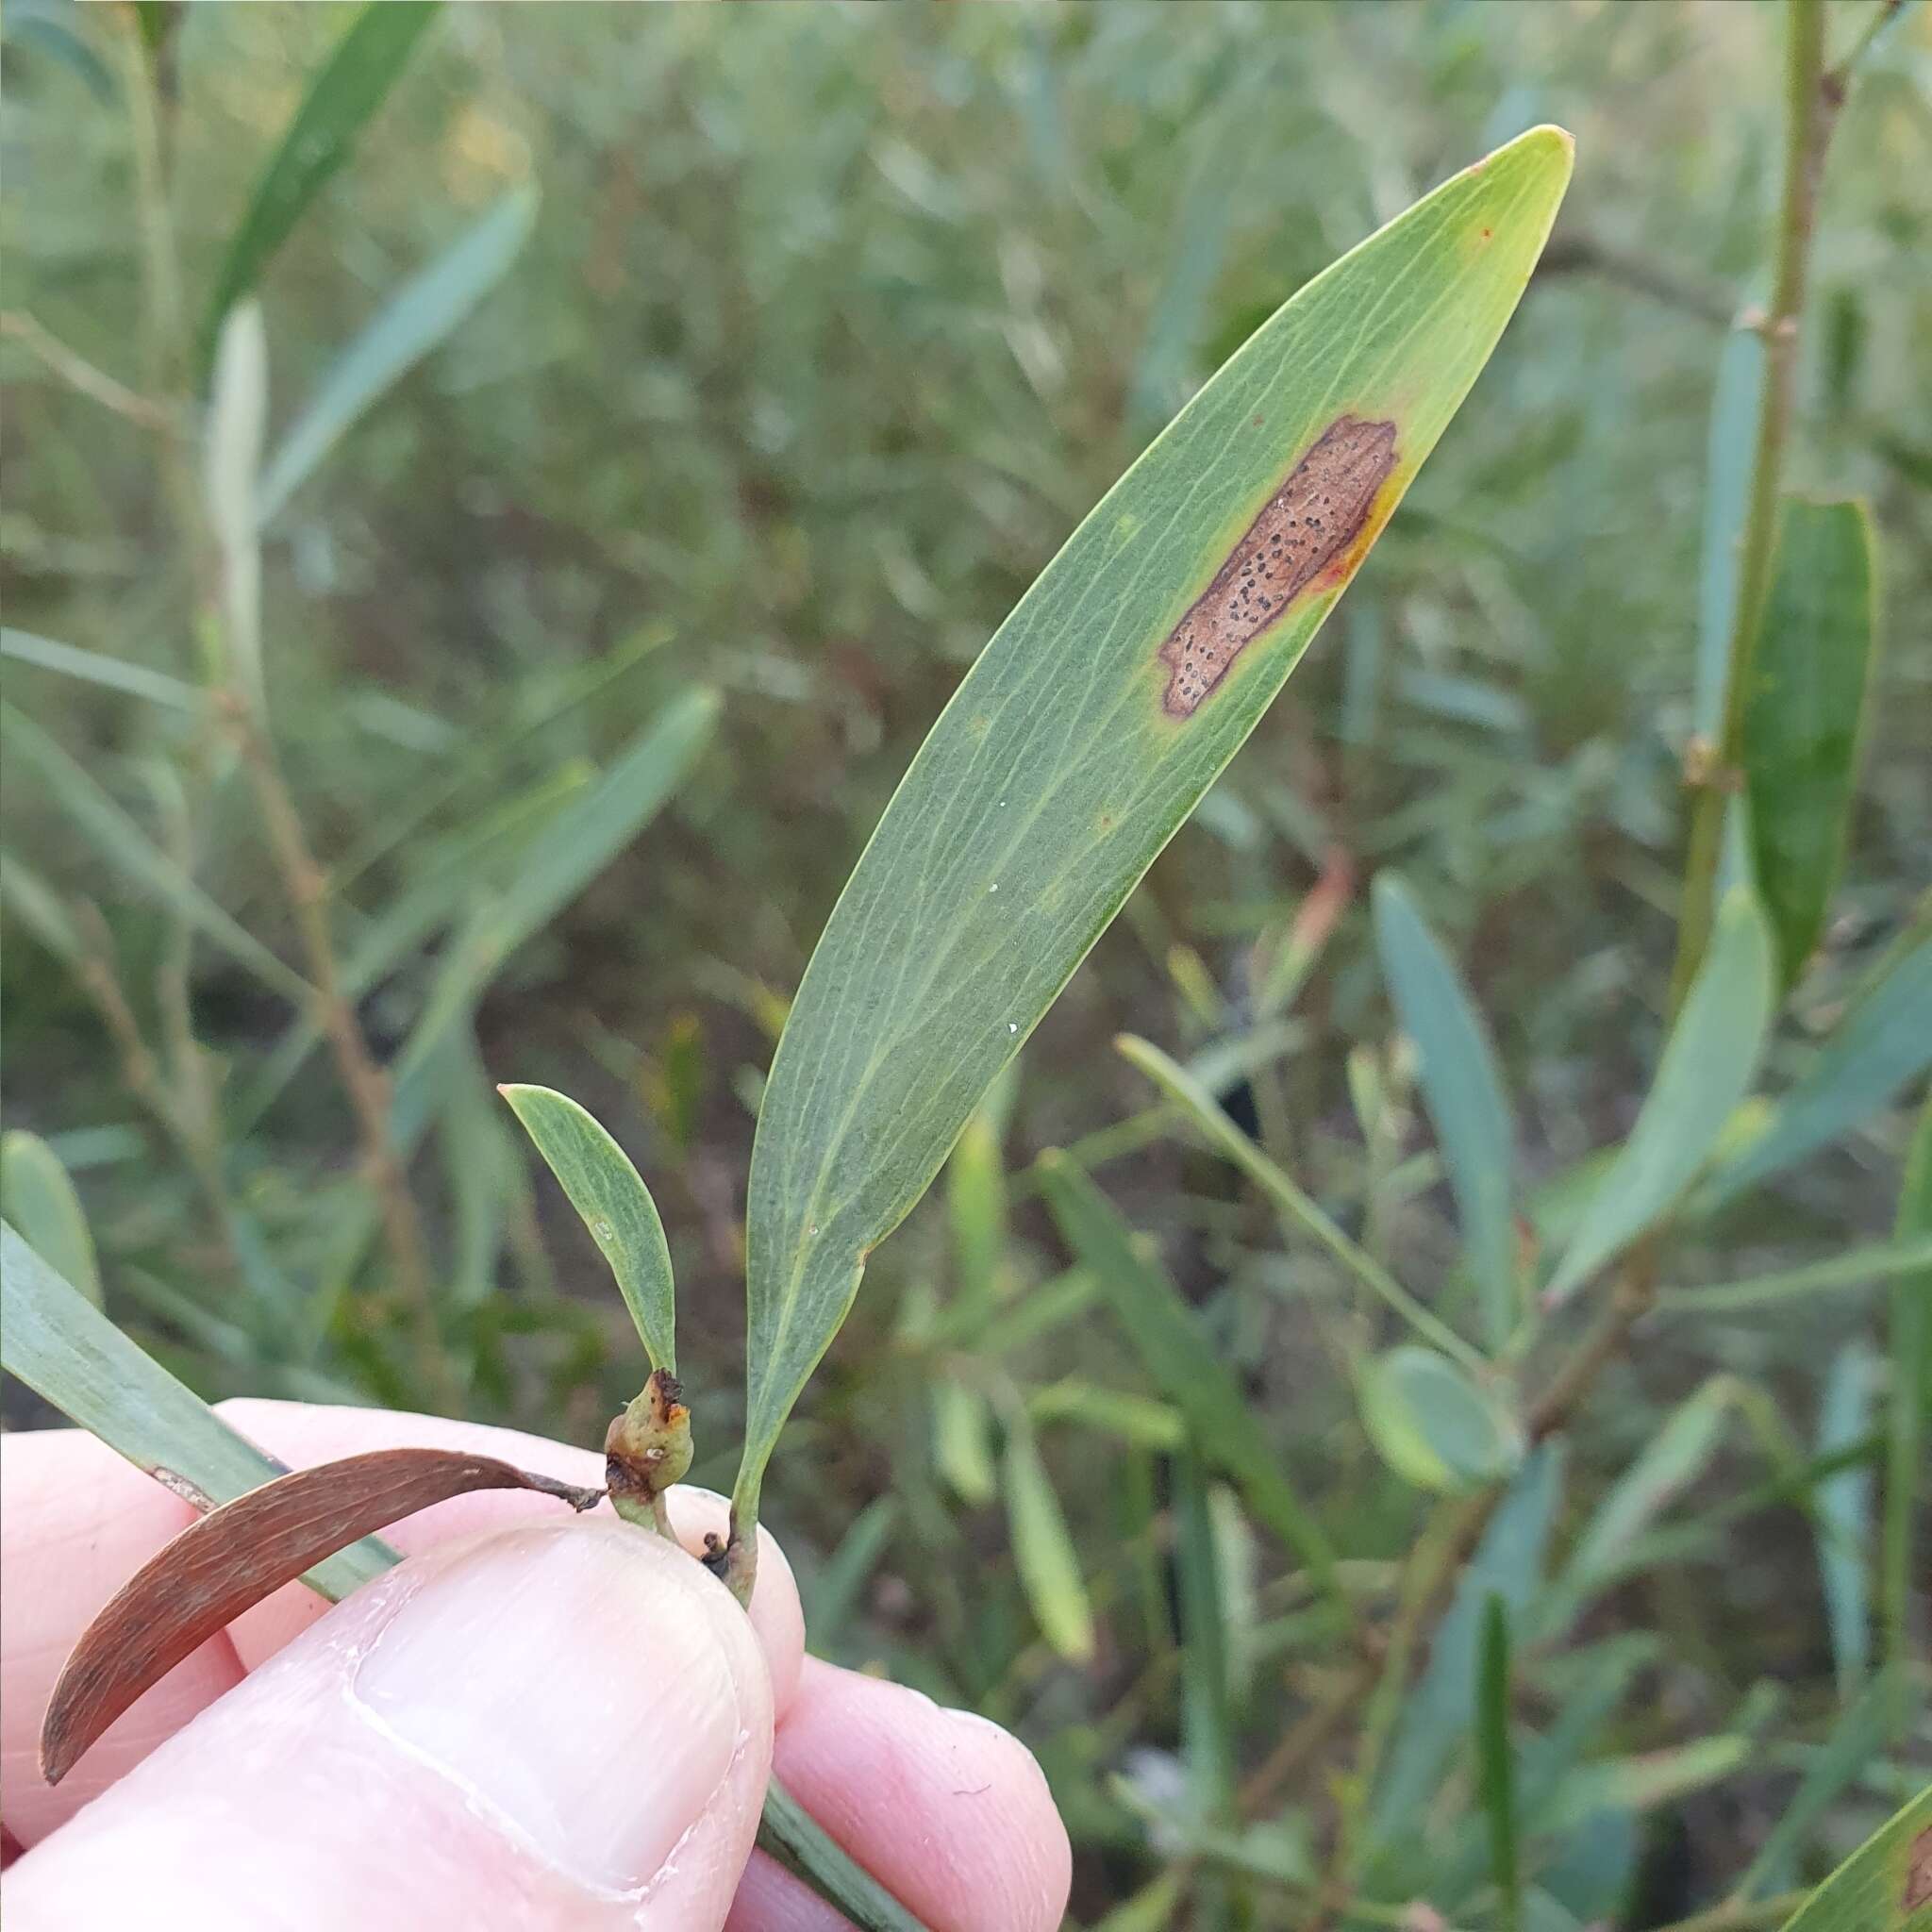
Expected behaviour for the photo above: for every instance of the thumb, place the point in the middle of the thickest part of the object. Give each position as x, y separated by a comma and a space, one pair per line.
558, 1726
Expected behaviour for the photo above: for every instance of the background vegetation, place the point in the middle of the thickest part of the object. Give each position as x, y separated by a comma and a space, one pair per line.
594, 651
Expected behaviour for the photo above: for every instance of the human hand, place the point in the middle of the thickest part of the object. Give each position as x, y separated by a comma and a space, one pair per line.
535, 1722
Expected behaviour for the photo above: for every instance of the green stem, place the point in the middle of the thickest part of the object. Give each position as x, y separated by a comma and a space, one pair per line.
788, 1833
1809, 109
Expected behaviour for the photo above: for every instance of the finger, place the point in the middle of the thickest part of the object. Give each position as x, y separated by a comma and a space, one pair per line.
76, 1522
302, 1434
947, 1811
563, 1725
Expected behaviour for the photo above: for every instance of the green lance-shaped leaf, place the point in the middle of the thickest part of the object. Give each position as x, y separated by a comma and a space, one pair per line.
610, 1196
1092, 724
37, 1195
1884, 1886
1176, 1356
1433, 1424
1707, 1066
1043, 1548
342, 99
70, 1354
1464, 1091
1804, 712
414, 320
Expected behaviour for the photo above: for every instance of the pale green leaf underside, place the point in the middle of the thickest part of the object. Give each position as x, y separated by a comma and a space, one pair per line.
1432, 1423
1056, 773
616, 1207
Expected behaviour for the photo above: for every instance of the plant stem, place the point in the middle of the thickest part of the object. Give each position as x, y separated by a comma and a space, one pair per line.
1810, 107
364, 1083
788, 1833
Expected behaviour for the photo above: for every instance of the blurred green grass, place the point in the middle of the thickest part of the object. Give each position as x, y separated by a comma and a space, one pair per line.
831, 326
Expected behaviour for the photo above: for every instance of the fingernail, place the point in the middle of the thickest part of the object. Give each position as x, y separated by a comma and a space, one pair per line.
582, 1682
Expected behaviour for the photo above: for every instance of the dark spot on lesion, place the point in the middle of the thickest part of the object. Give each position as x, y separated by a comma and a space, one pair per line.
1346, 467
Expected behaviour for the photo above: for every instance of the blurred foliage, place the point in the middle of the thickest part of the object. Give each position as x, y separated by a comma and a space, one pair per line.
830, 326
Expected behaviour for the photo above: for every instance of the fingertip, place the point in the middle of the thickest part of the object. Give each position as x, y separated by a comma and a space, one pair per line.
951, 1813
775, 1612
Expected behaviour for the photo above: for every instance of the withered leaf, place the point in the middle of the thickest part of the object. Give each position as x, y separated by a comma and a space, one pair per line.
236, 1555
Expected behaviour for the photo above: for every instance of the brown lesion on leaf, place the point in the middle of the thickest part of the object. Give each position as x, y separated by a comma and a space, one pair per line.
1326, 502
1918, 1889
177, 1484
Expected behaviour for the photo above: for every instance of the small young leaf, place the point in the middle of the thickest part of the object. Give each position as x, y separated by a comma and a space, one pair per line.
1464, 1090
1044, 1549
1881, 1045
1432, 1423
1175, 1355
236, 1555
616, 1207
37, 1196
1496, 1763
1884, 1886
1707, 1066
1803, 713
1093, 725
414, 320
342, 97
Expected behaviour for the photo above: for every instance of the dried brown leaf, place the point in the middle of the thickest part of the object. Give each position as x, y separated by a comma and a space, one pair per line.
236, 1555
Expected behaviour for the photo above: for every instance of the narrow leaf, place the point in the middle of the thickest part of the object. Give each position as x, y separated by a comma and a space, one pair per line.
37, 1195
1804, 715
237, 420
1134, 1418
1908, 1401
1433, 1424
342, 99
239, 1554
578, 843
69, 1353
1496, 1763
1843, 1520
1438, 1712
1092, 724
1884, 1886
1731, 451
963, 1442
1707, 1066
132, 852
1044, 1549
416, 318
1464, 1091
614, 1204
1297, 1209
1883, 1043
1856, 1268
98, 667
1857, 1742
1177, 1356
1675, 1458
1208, 1724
